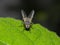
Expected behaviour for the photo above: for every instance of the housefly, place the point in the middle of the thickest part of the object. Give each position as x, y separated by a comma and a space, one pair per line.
27, 19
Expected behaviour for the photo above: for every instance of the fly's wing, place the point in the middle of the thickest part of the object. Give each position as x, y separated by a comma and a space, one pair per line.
31, 15
23, 15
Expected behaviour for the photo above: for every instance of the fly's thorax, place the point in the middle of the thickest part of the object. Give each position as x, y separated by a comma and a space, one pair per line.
27, 20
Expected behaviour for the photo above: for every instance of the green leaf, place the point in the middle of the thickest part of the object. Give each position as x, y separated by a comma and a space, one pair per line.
12, 32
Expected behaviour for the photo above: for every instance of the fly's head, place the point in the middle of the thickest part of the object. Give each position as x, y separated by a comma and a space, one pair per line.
27, 20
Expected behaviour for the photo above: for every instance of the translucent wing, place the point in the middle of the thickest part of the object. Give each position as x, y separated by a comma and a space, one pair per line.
31, 15
23, 15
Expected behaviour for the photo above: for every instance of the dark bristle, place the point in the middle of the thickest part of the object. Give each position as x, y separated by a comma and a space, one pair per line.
27, 29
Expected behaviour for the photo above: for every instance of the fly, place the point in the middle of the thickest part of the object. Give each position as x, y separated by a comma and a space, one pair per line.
27, 19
